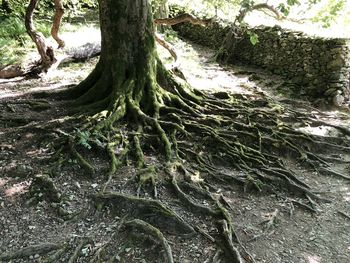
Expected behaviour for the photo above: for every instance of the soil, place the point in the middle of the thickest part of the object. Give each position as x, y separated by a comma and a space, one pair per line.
272, 226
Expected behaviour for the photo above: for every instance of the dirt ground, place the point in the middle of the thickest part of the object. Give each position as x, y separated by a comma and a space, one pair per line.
272, 226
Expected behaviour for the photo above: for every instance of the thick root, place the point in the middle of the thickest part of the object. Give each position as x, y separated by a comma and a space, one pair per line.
155, 233
40, 249
43, 187
151, 211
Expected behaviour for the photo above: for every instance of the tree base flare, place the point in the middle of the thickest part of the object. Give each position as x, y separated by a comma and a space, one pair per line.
196, 133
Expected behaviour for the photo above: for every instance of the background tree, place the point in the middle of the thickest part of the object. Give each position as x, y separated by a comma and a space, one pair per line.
46, 52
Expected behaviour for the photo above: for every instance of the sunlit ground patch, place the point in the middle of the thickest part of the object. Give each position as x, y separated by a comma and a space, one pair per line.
3, 181
313, 259
17, 188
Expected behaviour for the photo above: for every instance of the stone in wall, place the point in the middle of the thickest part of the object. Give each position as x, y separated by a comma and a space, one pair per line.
319, 66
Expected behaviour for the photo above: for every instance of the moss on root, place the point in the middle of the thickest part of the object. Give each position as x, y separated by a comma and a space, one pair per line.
138, 108
197, 131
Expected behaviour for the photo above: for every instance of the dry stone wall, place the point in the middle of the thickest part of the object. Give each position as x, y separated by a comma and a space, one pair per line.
320, 67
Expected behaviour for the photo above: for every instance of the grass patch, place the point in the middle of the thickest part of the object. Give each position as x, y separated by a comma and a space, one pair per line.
15, 42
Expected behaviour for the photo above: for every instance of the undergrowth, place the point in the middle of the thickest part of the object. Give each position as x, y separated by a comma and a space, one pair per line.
15, 42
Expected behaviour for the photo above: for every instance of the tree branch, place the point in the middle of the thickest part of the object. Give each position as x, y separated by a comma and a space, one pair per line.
166, 45
46, 52
243, 13
57, 19
183, 18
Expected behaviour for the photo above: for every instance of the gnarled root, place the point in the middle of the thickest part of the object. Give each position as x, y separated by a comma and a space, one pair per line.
155, 233
40, 249
151, 211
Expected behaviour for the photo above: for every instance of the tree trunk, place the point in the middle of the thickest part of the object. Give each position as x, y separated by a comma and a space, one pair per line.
162, 11
46, 52
127, 65
57, 19
129, 80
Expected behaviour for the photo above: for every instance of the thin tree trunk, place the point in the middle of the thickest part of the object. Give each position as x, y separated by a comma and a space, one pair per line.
162, 11
57, 19
46, 52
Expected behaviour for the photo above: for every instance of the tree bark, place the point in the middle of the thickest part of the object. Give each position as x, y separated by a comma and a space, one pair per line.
162, 11
129, 81
46, 52
57, 19
127, 55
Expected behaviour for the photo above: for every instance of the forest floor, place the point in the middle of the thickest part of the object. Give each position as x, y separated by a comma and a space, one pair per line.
272, 226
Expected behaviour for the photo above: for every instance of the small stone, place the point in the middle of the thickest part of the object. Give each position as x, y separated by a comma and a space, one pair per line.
77, 185
338, 100
127, 250
36, 256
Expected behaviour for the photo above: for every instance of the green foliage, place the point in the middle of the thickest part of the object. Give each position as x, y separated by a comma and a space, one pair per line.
327, 15
253, 37
44, 26
83, 138
13, 37
12, 27
16, 8
76, 7
14, 40
170, 35
45, 7
157, 3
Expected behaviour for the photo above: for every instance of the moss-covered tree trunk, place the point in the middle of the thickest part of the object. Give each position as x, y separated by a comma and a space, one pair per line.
129, 80
127, 66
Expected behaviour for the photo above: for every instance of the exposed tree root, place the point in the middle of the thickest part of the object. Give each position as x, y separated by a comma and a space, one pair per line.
77, 250
40, 249
147, 175
82, 162
155, 233
151, 211
43, 187
55, 256
140, 109
200, 131
231, 251
345, 215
